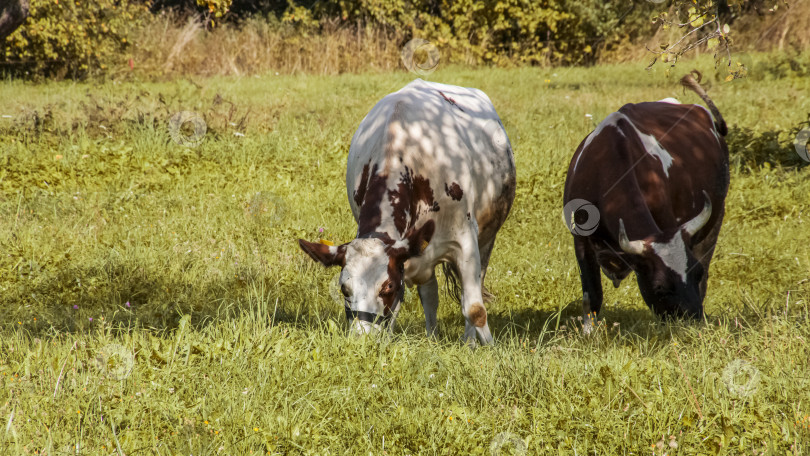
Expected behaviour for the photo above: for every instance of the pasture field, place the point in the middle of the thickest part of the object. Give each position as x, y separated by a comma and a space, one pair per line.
155, 300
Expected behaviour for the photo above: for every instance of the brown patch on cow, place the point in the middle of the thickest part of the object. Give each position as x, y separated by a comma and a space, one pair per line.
405, 200
450, 100
360, 193
454, 191
418, 239
423, 193
395, 273
370, 212
323, 253
478, 315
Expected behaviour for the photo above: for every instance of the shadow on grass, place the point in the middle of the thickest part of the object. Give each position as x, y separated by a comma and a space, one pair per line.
123, 296
157, 304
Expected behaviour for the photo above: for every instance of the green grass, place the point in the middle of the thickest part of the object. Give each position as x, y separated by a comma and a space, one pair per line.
232, 344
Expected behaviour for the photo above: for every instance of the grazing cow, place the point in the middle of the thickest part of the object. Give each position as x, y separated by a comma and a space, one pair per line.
430, 179
654, 176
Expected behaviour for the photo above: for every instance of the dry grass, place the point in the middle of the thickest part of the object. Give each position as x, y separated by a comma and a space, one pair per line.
784, 29
174, 48
171, 46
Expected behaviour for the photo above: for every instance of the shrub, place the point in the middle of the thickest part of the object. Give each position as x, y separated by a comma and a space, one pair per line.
503, 31
64, 36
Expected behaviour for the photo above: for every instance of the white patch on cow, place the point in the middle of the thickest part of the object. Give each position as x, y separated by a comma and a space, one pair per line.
400, 244
359, 327
365, 271
609, 121
673, 254
651, 144
714, 132
333, 250
669, 100
655, 149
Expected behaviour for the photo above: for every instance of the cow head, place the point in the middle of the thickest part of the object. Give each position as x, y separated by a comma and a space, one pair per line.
669, 276
372, 275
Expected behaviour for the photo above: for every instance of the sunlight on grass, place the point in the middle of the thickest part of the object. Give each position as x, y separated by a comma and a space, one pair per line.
156, 301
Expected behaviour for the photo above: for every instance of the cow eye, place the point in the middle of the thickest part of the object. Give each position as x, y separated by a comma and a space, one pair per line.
344, 288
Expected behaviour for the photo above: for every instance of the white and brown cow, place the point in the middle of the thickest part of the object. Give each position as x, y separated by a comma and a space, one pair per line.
656, 173
430, 180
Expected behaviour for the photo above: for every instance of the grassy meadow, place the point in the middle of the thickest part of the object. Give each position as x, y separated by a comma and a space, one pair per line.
155, 300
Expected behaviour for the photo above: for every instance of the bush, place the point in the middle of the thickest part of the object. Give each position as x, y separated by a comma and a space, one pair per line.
64, 36
502, 32
83, 37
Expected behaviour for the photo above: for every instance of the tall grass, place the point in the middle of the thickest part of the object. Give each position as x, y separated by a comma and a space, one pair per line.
174, 46
257, 46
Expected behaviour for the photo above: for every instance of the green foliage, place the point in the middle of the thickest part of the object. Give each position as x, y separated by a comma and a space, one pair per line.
697, 23
503, 32
754, 149
65, 36
217, 8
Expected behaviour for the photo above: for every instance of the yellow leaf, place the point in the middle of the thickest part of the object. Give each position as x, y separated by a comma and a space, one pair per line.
729, 77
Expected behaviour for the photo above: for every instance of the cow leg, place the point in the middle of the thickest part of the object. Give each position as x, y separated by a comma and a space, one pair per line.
486, 251
591, 279
472, 301
704, 250
429, 296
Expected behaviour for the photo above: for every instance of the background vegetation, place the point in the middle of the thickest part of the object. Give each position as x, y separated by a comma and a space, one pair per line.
140, 39
155, 300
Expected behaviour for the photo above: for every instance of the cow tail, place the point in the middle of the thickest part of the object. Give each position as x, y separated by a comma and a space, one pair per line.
452, 281
452, 284
693, 83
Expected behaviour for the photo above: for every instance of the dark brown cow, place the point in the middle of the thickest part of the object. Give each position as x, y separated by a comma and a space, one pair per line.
645, 193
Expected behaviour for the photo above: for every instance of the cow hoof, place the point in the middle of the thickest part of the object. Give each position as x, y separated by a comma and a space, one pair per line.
485, 336
587, 325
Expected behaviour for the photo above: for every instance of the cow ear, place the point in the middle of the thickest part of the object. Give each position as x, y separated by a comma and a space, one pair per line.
418, 239
327, 255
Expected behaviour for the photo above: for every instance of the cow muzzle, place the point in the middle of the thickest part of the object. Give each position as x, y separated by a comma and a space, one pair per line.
361, 322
